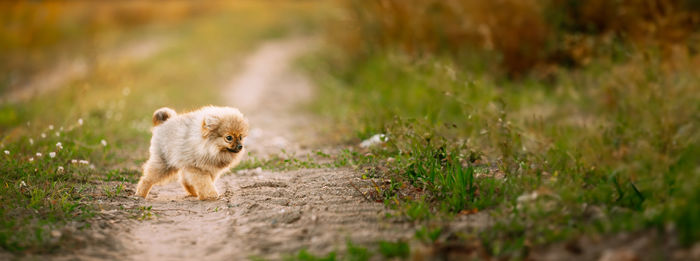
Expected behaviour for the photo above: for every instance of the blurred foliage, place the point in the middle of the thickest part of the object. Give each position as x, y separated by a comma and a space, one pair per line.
36, 33
527, 34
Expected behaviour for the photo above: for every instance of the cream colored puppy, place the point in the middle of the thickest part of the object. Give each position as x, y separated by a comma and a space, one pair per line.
200, 145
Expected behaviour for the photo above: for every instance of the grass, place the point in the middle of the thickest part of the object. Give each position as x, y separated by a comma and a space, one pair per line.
102, 120
346, 157
603, 149
385, 249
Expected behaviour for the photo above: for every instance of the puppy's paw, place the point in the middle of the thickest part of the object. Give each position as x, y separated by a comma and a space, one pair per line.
211, 198
140, 195
208, 196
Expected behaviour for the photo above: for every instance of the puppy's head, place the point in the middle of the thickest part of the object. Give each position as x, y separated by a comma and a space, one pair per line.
225, 128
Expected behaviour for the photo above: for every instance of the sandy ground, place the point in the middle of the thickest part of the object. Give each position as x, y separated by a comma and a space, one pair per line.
260, 213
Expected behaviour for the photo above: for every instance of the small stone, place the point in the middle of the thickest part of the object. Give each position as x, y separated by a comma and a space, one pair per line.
290, 217
55, 233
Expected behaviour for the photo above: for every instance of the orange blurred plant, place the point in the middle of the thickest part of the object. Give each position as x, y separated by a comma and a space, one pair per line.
527, 33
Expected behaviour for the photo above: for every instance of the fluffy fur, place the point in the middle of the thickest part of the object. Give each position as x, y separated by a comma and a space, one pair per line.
199, 145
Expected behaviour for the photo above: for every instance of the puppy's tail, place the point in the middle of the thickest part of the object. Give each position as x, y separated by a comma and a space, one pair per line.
163, 114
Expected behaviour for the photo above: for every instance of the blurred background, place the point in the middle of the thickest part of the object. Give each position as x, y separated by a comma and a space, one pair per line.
529, 36
40, 34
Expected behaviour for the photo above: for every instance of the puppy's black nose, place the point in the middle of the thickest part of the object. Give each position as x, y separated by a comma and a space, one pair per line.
239, 147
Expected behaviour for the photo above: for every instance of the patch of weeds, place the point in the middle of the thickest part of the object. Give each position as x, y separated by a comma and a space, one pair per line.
304, 255
417, 209
356, 253
114, 191
143, 213
387, 190
427, 235
280, 163
250, 162
123, 175
397, 249
445, 175
285, 162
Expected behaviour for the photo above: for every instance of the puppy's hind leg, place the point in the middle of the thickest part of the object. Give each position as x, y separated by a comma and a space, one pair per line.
154, 172
203, 183
187, 185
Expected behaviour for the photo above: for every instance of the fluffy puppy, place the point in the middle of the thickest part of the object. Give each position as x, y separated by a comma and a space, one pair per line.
199, 145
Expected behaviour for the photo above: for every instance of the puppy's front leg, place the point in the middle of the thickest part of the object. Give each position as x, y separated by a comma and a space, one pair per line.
203, 183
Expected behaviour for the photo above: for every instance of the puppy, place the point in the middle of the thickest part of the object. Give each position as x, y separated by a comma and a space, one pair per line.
200, 145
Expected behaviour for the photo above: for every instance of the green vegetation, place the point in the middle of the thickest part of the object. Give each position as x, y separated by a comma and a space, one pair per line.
79, 143
353, 252
394, 249
316, 159
606, 146
621, 139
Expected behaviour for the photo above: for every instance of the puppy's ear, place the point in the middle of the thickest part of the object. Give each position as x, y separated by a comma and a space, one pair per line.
209, 124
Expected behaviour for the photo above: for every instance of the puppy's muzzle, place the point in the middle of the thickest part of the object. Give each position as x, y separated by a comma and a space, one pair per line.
236, 149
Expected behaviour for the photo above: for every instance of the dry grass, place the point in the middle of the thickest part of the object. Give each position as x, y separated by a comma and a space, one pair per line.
36, 33
526, 33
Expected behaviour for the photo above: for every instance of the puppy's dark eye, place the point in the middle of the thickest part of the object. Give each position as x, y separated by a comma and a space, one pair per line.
229, 138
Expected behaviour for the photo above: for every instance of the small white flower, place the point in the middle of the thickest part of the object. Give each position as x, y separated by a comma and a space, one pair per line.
60, 129
104, 143
59, 145
38, 154
7, 152
80, 121
43, 135
527, 197
58, 134
31, 141
83, 162
92, 166
59, 170
31, 159
74, 161
22, 184
52, 154
50, 127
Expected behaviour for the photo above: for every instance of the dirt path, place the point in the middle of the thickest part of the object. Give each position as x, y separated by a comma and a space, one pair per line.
261, 213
